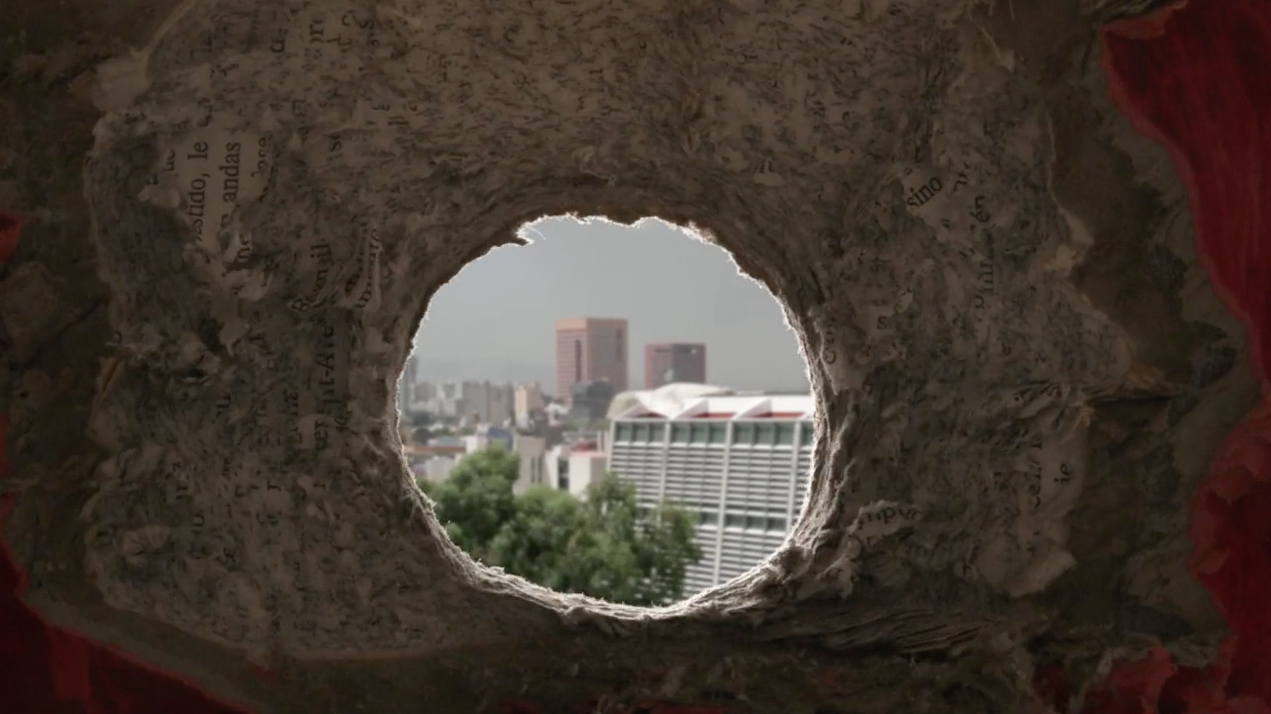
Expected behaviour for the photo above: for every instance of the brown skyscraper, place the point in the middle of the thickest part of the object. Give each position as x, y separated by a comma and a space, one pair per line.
590, 349
667, 362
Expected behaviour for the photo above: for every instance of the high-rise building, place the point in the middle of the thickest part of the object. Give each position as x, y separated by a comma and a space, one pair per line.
668, 362
590, 349
527, 401
739, 463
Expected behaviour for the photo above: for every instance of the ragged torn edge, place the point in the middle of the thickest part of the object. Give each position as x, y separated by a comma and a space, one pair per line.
117, 82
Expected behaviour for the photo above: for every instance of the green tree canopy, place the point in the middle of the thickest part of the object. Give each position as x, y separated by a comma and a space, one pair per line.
601, 545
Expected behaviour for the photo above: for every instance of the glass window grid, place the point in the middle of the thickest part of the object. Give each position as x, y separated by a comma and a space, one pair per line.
718, 434
640, 432
752, 522
778, 433
785, 434
745, 432
807, 434
695, 483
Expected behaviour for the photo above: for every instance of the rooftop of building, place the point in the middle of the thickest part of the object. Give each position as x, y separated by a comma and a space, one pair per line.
678, 402
582, 323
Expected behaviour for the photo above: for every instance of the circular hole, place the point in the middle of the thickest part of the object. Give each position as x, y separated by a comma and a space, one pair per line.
612, 410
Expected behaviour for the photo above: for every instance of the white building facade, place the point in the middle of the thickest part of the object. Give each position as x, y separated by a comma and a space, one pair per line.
527, 401
532, 451
573, 467
740, 463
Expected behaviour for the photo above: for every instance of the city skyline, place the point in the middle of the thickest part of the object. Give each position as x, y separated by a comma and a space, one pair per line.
495, 320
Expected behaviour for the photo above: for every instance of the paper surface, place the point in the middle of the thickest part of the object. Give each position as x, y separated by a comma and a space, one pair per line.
316, 171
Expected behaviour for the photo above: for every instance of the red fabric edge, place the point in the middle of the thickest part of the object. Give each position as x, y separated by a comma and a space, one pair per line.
1186, 79
10, 229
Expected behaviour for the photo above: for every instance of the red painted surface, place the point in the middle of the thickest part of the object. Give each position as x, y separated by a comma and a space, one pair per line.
1197, 80
10, 229
1052, 685
48, 670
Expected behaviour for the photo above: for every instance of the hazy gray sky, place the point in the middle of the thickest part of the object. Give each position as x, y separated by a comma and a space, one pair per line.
495, 319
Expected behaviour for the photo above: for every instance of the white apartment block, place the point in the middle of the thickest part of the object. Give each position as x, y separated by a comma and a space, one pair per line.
527, 399
575, 466
532, 451
741, 463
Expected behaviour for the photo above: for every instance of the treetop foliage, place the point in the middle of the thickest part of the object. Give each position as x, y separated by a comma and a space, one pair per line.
601, 544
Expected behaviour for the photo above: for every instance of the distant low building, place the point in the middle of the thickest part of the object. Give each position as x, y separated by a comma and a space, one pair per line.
593, 439
556, 413
574, 467
488, 402
670, 362
435, 460
590, 401
447, 400
486, 435
532, 451
527, 400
